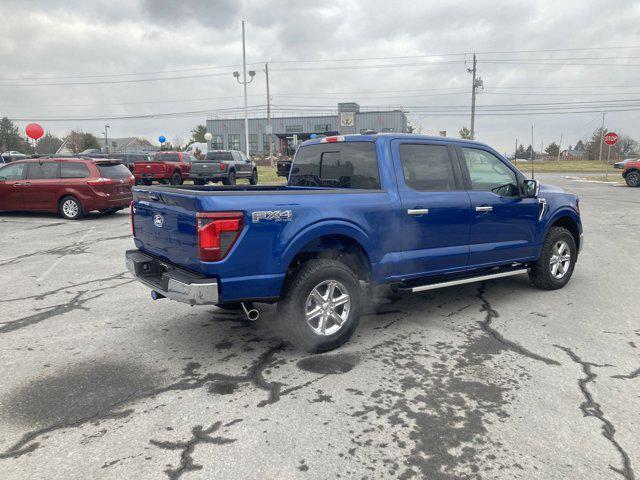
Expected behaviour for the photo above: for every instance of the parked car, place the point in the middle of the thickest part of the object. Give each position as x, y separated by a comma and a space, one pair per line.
130, 159
360, 213
165, 167
283, 167
631, 173
70, 186
224, 165
621, 164
12, 155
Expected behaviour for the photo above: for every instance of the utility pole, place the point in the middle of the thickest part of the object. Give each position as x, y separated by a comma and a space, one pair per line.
533, 173
244, 83
515, 153
473, 98
270, 129
559, 147
106, 140
601, 138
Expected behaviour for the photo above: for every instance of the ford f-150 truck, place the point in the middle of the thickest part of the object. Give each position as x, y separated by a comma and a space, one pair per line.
166, 167
359, 214
223, 165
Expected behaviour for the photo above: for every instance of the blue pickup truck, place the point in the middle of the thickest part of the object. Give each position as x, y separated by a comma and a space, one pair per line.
360, 214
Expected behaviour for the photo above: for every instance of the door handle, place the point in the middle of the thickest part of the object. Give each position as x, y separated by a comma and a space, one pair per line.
484, 208
17, 184
27, 184
418, 211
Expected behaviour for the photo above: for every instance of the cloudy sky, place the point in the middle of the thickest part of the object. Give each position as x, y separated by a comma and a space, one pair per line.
554, 65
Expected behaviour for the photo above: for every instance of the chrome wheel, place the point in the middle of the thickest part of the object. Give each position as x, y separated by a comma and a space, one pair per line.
70, 208
327, 307
560, 259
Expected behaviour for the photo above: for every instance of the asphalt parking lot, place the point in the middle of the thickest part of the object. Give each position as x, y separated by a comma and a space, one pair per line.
494, 380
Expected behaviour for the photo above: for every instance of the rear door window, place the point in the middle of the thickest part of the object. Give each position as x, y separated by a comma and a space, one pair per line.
336, 165
427, 168
43, 171
113, 170
73, 170
167, 157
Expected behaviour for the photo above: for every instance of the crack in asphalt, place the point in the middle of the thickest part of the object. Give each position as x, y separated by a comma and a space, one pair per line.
189, 380
42, 296
634, 374
198, 436
490, 314
591, 408
76, 303
255, 375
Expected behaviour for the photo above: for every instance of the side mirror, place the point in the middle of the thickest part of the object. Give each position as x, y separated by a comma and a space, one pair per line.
531, 188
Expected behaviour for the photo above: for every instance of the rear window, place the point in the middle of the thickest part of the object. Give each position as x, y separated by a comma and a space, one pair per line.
218, 157
73, 170
336, 165
167, 157
113, 170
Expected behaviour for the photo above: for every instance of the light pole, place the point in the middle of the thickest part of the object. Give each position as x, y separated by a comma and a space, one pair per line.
106, 139
244, 84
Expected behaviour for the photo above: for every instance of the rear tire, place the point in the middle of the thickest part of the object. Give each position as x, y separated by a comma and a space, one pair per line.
558, 257
231, 179
176, 179
633, 179
70, 208
316, 295
253, 180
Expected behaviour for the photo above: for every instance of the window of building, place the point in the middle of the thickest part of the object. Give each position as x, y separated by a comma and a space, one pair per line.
234, 141
388, 130
490, 174
323, 127
336, 165
73, 170
217, 142
427, 168
293, 128
253, 142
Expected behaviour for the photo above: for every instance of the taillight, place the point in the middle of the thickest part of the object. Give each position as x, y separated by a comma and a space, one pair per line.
133, 225
223, 166
132, 179
100, 181
217, 232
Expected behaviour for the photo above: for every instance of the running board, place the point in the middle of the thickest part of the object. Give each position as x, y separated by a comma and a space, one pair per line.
462, 281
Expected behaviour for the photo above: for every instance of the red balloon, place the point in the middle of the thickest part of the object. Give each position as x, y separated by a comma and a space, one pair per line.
34, 131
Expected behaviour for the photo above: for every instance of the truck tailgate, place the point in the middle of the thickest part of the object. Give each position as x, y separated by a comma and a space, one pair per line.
149, 167
165, 226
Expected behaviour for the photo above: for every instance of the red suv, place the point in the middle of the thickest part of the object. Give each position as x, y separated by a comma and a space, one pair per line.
165, 167
70, 186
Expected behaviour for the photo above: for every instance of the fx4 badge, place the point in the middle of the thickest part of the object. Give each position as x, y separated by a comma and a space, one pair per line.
275, 216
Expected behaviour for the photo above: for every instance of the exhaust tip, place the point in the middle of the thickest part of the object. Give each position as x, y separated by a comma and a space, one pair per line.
251, 313
156, 296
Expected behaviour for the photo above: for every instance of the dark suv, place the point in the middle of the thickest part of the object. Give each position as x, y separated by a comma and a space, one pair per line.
129, 159
223, 165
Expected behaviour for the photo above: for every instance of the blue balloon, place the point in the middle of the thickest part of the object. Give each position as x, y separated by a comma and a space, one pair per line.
313, 135
162, 139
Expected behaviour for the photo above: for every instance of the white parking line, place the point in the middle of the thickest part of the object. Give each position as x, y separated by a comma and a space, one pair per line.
57, 262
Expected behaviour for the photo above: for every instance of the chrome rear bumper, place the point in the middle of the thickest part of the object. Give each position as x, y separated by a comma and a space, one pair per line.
171, 282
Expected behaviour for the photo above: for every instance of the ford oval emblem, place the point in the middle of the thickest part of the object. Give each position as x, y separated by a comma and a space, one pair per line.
158, 220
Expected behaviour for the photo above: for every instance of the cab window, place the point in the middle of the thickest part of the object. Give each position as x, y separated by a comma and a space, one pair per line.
489, 174
427, 168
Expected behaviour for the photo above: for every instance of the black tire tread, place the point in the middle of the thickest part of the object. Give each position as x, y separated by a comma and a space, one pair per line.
539, 274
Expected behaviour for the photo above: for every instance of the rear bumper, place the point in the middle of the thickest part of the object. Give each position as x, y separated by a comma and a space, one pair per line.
207, 176
171, 282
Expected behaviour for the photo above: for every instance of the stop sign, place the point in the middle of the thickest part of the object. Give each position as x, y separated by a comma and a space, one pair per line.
611, 138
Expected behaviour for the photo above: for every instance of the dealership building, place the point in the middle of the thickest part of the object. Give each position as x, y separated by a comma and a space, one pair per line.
287, 132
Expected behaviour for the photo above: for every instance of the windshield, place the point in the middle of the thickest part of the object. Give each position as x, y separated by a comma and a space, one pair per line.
218, 157
166, 157
336, 165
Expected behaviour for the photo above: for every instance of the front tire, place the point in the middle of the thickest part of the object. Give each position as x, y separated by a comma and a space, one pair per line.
321, 306
558, 257
633, 179
253, 180
70, 208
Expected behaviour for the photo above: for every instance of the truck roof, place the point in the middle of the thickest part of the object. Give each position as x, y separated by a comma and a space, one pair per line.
391, 136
